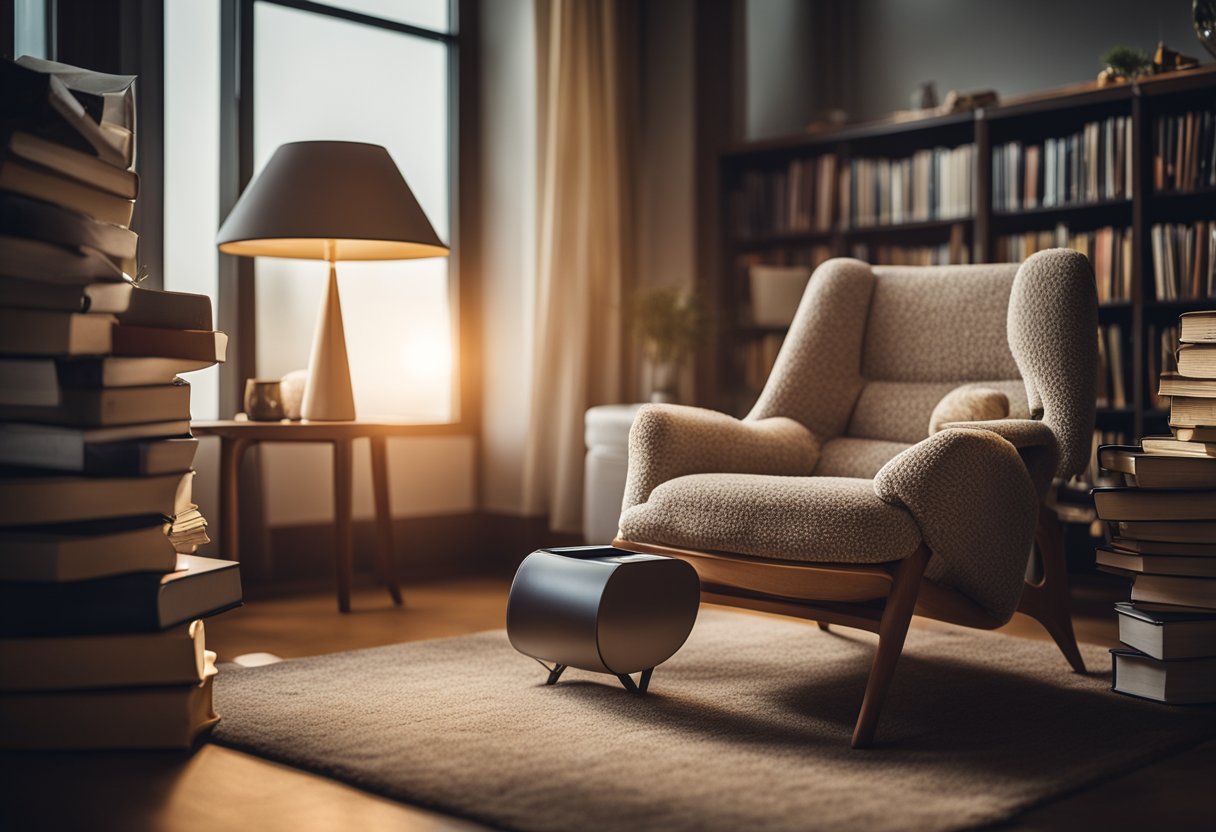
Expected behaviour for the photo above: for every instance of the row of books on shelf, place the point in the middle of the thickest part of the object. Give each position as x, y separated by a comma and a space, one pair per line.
818, 193
1114, 388
798, 197
1109, 251
1163, 518
101, 590
1160, 346
759, 356
1184, 151
1165, 359
937, 184
1091, 165
1184, 260
880, 254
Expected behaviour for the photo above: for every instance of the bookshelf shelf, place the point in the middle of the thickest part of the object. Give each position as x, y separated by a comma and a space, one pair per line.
727, 375
751, 242
908, 228
1056, 213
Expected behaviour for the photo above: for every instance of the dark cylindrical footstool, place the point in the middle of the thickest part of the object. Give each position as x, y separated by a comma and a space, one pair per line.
602, 609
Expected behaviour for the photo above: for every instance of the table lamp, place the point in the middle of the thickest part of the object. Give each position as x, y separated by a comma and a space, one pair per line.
329, 201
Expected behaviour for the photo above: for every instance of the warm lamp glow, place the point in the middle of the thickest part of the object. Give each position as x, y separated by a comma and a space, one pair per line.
427, 356
330, 200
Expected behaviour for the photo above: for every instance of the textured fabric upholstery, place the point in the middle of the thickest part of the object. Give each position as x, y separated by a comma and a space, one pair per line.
817, 519
1053, 314
669, 441
939, 323
870, 355
976, 507
846, 456
1035, 441
969, 403
817, 376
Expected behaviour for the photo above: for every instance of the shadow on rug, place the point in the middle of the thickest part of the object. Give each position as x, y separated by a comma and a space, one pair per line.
747, 727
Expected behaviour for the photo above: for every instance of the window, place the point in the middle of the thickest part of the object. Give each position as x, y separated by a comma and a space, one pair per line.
192, 167
321, 72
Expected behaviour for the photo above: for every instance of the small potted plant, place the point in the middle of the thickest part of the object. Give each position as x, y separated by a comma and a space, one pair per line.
669, 323
1122, 64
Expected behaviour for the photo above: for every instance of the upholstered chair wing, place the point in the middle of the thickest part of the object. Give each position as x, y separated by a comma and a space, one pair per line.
915, 415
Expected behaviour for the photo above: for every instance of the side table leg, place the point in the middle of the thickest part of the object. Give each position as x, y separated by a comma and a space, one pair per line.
385, 553
231, 451
342, 521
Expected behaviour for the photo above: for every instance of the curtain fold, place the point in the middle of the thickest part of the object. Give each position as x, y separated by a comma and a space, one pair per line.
585, 120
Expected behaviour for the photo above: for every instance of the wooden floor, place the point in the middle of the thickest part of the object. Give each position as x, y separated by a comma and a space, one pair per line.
217, 788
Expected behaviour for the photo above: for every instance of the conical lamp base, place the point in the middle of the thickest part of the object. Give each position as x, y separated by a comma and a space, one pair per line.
328, 396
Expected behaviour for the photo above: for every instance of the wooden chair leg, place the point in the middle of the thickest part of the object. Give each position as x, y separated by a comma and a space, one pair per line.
1047, 600
823, 625
892, 629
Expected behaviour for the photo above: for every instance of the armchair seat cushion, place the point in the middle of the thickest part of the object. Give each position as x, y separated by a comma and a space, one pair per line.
812, 519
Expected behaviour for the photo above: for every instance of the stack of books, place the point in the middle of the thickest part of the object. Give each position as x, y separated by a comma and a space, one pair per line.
1165, 534
100, 592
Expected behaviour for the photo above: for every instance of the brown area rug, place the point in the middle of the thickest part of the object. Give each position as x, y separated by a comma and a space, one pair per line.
746, 728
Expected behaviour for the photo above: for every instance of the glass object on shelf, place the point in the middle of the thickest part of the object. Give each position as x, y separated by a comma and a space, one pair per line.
1203, 15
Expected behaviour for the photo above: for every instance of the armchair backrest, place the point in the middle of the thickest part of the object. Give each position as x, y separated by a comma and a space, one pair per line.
872, 350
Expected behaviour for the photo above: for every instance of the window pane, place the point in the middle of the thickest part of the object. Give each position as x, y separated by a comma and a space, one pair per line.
322, 78
29, 28
192, 166
429, 14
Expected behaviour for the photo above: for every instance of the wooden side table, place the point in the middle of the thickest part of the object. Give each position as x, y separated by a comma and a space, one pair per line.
237, 435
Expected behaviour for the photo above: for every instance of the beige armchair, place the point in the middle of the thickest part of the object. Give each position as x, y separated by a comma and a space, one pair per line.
832, 501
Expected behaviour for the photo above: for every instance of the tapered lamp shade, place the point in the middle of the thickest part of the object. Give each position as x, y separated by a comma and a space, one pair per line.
329, 201
312, 195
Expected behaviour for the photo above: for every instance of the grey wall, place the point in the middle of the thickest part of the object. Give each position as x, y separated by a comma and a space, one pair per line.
778, 67
1013, 47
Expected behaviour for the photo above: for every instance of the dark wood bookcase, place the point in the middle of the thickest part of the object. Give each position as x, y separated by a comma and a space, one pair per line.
721, 375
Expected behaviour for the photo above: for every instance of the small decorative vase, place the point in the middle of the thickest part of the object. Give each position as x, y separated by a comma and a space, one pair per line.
1203, 14
291, 390
664, 379
263, 402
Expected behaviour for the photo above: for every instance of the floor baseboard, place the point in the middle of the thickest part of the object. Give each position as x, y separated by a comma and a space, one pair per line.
428, 548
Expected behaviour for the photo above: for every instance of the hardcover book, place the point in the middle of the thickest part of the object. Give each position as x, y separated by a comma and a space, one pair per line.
134, 603
40, 500
167, 717
83, 551
1171, 589
37, 260
1186, 634
177, 656
108, 406
23, 216
1185, 682
1116, 503
124, 451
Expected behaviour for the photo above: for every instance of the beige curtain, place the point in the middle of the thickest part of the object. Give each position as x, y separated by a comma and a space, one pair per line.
585, 104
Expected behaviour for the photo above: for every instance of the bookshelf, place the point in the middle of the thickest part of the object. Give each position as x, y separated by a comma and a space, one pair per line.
1127, 203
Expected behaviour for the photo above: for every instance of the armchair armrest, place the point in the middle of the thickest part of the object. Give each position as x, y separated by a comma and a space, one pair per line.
977, 507
1035, 441
669, 441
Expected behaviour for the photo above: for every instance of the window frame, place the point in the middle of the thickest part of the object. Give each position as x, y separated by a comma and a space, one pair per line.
237, 312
